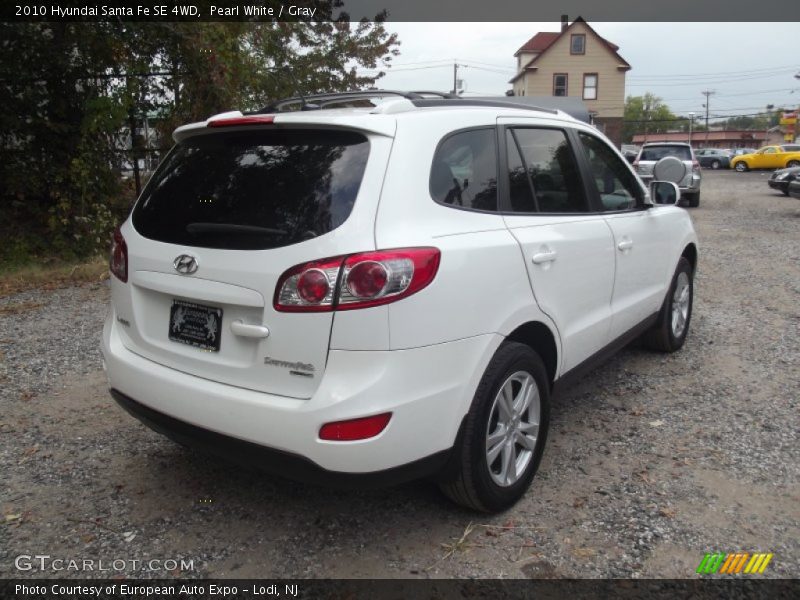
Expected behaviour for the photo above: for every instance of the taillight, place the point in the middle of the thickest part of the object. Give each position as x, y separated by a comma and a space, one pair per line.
237, 121
354, 429
118, 261
695, 166
356, 281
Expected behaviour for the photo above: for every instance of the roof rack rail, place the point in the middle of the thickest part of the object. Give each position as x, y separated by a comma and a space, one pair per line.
320, 100
461, 101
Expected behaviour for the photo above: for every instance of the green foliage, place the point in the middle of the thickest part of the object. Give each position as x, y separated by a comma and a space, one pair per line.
69, 92
647, 114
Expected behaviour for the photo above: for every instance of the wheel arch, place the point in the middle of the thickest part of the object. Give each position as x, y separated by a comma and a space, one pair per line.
541, 340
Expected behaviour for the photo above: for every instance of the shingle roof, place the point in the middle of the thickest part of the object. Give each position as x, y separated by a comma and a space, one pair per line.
538, 42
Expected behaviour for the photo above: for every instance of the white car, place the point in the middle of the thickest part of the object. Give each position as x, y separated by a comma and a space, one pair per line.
372, 295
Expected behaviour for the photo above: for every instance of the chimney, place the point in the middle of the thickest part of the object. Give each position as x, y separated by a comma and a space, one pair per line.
564, 23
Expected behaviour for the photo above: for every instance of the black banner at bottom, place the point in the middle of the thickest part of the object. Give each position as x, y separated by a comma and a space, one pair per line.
399, 589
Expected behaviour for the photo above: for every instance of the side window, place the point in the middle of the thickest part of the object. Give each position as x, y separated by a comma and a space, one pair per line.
615, 183
547, 161
464, 171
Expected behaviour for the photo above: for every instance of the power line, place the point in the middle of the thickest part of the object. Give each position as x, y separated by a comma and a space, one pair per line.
718, 73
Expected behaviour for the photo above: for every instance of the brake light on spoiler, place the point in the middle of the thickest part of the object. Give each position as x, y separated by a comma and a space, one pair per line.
237, 121
356, 280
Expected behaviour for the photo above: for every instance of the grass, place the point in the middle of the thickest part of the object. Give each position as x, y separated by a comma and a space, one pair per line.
51, 274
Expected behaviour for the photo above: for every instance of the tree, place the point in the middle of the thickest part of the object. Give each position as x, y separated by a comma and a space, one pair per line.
647, 114
70, 90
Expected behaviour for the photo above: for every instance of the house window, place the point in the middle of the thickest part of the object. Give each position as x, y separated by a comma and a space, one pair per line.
577, 44
560, 84
590, 86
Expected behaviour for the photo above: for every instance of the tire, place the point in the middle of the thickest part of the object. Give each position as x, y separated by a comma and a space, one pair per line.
741, 166
793, 163
667, 335
691, 200
785, 191
715, 164
474, 479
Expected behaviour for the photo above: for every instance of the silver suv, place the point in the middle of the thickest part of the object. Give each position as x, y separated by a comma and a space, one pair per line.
688, 177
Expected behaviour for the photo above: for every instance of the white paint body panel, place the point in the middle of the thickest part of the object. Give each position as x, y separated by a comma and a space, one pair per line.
420, 358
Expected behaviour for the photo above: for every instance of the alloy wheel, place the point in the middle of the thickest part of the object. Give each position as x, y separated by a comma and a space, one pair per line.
513, 429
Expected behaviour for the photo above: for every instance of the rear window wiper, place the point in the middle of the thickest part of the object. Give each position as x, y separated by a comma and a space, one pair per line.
233, 228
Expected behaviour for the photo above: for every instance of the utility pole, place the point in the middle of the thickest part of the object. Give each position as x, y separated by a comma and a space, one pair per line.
707, 94
455, 77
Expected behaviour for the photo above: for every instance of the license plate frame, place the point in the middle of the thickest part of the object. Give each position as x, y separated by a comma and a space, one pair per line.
196, 325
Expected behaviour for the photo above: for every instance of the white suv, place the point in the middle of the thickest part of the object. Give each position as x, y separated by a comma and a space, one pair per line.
381, 293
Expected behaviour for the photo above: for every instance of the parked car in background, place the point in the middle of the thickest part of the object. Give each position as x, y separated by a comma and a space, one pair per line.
689, 183
714, 158
781, 179
768, 157
630, 152
352, 294
794, 189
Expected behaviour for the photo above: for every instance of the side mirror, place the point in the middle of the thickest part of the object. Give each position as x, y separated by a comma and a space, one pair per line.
664, 192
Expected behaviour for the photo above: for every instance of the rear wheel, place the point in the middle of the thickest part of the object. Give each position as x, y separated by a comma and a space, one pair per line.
715, 164
501, 445
741, 166
669, 333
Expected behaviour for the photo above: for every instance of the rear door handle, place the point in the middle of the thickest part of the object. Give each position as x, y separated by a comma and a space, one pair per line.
544, 257
625, 245
242, 329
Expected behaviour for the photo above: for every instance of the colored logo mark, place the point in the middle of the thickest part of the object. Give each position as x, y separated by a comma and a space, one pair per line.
737, 562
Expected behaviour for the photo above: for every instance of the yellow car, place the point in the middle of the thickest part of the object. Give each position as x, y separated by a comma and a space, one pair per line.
768, 157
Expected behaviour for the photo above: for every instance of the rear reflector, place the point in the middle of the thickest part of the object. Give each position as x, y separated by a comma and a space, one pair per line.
236, 121
354, 429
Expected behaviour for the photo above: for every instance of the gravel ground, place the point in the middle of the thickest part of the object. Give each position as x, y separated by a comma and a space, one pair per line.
652, 460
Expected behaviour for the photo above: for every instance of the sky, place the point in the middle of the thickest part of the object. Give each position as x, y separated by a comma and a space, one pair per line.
746, 65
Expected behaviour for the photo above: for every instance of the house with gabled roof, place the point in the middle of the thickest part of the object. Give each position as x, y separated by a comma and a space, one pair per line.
576, 62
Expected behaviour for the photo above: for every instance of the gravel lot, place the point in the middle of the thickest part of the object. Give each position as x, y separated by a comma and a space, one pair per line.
652, 460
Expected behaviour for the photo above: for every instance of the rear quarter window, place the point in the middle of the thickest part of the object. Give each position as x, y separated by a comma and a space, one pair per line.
253, 190
464, 170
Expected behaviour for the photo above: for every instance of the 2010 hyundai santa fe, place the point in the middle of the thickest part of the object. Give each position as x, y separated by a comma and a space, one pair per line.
390, 291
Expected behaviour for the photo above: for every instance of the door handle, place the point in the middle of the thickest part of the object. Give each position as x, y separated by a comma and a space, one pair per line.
544, 257
625, 245
241, 328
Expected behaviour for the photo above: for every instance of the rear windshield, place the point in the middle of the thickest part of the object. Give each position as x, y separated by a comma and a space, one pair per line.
253, 190
659, 152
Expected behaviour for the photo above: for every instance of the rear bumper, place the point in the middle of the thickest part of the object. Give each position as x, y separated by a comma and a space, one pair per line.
273, 461
428, 390
775, 184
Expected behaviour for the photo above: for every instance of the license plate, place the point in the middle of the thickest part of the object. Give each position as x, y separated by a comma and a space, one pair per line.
195, 325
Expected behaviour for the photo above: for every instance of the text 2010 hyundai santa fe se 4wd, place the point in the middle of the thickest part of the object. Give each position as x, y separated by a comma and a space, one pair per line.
387, 292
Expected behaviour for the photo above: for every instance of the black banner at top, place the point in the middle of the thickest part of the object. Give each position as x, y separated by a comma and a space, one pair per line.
401, 10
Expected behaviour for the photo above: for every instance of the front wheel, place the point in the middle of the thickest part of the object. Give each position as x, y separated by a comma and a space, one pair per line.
741, 166
499, 450
715, 164
793, 163
669, 332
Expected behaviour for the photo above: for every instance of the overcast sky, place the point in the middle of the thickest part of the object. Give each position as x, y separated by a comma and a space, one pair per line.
747, 65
